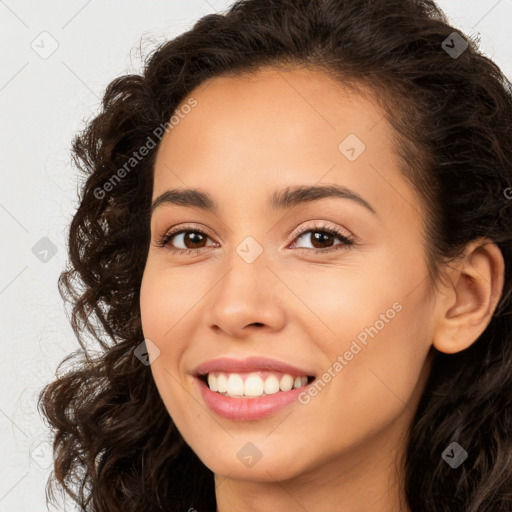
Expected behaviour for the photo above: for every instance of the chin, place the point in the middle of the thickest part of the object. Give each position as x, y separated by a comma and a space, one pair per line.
269, 468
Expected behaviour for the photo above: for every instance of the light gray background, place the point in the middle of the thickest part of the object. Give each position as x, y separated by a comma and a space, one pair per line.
43, 102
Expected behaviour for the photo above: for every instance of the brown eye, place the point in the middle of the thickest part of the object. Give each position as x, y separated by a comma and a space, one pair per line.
322, 239
185, 240
193, 239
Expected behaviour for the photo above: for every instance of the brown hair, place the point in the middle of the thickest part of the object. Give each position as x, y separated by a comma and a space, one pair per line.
116, 448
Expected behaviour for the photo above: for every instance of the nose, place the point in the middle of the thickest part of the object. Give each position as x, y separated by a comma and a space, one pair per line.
247, 297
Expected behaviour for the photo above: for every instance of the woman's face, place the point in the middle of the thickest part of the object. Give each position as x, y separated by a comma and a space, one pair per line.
253, 273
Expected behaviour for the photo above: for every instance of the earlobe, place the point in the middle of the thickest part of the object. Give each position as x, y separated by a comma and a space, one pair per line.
468, 302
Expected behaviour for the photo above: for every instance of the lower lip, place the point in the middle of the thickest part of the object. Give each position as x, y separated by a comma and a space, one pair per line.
246, 409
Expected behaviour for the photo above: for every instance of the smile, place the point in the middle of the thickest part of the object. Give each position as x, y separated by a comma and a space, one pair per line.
254, 384
252, 388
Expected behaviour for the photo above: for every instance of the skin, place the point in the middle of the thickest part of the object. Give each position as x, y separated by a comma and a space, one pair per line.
247, 138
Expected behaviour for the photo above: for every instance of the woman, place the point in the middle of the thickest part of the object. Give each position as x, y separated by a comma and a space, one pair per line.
296, 231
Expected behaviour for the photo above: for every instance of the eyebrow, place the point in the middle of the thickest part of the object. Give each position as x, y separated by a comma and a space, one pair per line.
286, 198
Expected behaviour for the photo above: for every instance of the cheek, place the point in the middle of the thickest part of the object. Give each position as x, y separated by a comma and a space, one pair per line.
166, 304
158, 317
343, 302
377, 318
167, 298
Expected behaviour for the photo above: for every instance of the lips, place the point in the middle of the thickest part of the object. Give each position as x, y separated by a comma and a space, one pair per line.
251, 364
245, 408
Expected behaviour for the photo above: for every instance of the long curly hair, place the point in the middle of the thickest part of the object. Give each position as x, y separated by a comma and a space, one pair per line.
115, 447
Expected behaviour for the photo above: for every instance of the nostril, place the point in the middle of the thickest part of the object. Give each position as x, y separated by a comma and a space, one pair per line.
258, 324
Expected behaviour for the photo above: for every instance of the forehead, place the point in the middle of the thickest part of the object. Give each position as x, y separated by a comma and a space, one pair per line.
276, 128
297, 102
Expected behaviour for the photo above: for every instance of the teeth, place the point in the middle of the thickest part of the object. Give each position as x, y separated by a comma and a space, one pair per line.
212, 382
286, 383
271, 385
222, 383
253, 386
233, 385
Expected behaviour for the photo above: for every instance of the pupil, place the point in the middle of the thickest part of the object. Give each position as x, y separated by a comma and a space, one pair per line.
193, 237
320, 237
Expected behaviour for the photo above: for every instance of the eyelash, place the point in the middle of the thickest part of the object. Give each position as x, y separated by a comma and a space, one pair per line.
347, 242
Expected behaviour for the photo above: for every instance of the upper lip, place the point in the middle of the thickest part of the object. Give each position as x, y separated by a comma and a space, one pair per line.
250, 364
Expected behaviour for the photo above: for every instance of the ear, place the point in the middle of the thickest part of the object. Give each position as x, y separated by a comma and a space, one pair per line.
468, 298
